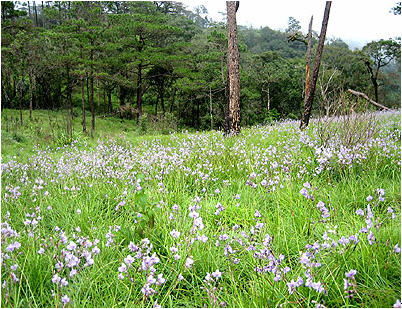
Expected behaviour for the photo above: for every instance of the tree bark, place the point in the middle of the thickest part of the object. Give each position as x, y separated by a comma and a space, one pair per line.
69, 103
29, 10
31, 86
109, 97
104, 102
312, 82
373, 78
43, 17
365, 96
210, 107
139, 89
84, 124
268, 99
91, 80
233, 70
20, 102
36, 14
98, 90
308, 57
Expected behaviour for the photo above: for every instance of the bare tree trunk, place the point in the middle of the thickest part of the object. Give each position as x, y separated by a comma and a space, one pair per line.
104, 101
233, 70
69, 103
373, 78
312, 82
31, 85
308, 57
87, 82
268, 98
36, 14
84, 123
91, 80
109, 98
20, 102
43, 17
29, 10
98, 105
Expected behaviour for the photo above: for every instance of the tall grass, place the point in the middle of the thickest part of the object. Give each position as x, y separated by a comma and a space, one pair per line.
116, 190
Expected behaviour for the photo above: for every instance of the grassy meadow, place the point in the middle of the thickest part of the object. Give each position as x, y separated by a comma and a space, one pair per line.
273, 217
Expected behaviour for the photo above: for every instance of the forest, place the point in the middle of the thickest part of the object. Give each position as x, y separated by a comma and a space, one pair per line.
162, 61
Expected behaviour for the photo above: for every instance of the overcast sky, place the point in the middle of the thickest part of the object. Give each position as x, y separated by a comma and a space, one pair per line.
356, 22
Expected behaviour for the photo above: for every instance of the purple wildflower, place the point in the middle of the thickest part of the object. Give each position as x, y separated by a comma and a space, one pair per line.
175, 234
65, 299
351, 273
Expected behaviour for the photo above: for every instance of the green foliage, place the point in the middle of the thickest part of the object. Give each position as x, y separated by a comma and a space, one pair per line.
160, 58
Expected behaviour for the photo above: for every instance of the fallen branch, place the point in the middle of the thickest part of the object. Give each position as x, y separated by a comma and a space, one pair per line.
365, 96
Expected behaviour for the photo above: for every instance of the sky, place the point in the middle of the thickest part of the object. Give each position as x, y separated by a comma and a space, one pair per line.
356, 22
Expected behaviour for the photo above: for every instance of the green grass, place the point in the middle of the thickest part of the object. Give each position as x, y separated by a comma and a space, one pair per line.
107, 169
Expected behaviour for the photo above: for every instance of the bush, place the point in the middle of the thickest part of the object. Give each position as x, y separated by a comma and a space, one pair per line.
157, 124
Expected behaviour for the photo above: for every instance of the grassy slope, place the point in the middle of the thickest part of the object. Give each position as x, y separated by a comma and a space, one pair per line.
292, 220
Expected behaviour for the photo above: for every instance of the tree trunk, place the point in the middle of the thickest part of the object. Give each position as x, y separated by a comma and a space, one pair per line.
139, 89
268, 99
87, 82
375, 85
14, 89
210, 107
20, 102
373, 78
29, 10
84, 123
192, 112
198, 114
43, 17
163, 103
312, 82
31, 85
308, 58
98, 89
69, 103
91, 77
172, 102
104, 102
109, 97
36, 14
233, 70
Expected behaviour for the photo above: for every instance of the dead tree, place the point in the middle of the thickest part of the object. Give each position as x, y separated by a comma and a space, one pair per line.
308, 57
308, 102
233, 102
365, 96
